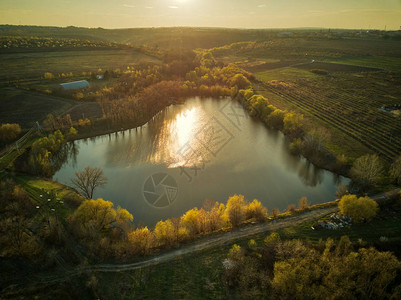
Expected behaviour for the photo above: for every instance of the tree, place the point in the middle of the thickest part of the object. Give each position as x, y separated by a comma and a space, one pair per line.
315, 139
276, 119
68, 120
336, 274
50, 121
71, 133
292, 124
217, 218
256, 210
88, 180
164, 232
42, 152
395, 170
303, 203
48, 75
101, 227
359, 209
236, 209
9, 132
240, 81
100, 215
140, 241
191, 220
367, 170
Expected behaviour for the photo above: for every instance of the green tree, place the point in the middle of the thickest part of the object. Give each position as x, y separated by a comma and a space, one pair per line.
359, 209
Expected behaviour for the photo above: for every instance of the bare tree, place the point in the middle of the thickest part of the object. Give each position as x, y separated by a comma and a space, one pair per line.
88, 180
367, 170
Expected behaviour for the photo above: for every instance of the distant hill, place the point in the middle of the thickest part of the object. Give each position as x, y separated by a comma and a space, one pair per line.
174, 37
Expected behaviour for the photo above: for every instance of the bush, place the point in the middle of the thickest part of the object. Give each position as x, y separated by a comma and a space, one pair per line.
320, 71
9, 132
291, 208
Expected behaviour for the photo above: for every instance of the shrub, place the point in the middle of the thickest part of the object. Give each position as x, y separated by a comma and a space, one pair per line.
9, 132
320, 71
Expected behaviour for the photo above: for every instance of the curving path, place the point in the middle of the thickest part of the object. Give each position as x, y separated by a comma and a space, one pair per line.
207, 242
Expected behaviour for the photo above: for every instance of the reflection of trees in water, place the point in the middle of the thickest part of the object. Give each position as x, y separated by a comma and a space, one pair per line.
144, 143
67, 153
337, 180
307, 172
310, 174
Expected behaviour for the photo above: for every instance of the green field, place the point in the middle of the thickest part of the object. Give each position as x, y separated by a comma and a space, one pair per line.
382, 62
35, 64
284, 74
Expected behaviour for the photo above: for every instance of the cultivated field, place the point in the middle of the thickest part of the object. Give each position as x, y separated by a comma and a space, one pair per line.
348, 102
26, 107
359, 77
35, 64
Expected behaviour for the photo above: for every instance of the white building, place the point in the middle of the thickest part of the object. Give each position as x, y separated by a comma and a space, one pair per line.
75, 85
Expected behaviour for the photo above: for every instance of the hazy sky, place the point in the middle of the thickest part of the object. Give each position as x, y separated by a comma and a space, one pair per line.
211, 13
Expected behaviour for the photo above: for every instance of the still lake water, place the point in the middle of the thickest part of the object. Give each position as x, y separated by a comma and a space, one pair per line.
203, 149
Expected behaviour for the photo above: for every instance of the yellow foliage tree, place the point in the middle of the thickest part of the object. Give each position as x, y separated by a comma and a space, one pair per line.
140, 240
100, 214
359, 209
292, 124
48, 75
191, 220
164, 232
217, 217
256, 210
235, 209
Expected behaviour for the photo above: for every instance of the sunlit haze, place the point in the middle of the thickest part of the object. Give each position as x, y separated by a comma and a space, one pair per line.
206, 13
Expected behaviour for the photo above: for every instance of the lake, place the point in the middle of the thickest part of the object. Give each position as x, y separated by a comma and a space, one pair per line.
203, 149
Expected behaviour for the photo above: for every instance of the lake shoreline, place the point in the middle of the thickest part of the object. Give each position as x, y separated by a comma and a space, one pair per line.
128, 158
326, 160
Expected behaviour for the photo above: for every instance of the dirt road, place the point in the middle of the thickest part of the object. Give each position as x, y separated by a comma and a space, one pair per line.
207, 242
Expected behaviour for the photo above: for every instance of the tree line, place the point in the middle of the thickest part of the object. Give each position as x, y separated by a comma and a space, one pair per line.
294, 269
108, 232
